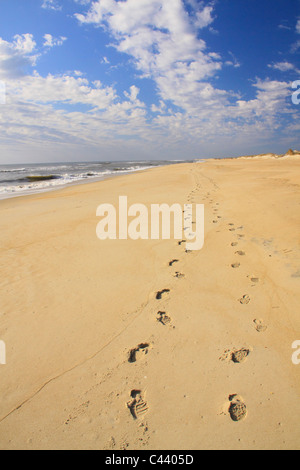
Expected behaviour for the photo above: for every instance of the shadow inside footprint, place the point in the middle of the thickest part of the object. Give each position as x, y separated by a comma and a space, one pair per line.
260, 326
238, 357
142, 348
245, 300
236, 265
173, 262
179, 275
160, 294
138, 407
237, 409
163, 318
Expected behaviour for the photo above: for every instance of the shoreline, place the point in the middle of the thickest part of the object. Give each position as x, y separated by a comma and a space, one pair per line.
88, 338
69, 185
104, 178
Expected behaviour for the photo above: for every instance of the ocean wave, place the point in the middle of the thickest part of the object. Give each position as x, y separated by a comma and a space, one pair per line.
14, 170
38, 183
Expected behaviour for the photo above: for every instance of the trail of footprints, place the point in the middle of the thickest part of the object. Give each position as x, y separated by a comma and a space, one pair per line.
137, 405
235, 407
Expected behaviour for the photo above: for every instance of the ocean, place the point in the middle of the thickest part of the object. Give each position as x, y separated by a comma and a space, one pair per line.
19, 180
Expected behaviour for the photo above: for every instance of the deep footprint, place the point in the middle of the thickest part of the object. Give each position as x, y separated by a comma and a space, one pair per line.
260, 326
141, 350
236, 265
179, 275
173, 262
161, 293
163, 318
245, 300
238, 357
237, 409
137, 406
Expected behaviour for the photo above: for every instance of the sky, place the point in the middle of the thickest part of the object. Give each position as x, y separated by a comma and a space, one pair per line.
84, 80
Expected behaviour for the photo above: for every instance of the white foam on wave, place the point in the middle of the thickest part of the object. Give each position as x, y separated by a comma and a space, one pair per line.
63, 180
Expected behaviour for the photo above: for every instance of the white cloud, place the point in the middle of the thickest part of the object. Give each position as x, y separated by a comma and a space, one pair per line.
24, 44
17, 56
51, 5
296, 45
161, 38
284, 26
283, 66
50, 41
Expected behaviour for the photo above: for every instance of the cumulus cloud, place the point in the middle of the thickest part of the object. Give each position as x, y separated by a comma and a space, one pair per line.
50, 41
17, 56
161, 38
283, 66
51, 5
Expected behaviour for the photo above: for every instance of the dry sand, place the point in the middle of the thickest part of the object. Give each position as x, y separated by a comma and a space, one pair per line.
88, 350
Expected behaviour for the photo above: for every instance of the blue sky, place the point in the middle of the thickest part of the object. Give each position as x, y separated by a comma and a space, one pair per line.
147, 79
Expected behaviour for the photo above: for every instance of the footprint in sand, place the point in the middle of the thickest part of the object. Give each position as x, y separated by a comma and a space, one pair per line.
163, 318
162, 293
138, 352
255, 280
236, 265
237, 408
173, 262
245, 300
260, 326
181, 242
179, 275
138, 406
240, 253
238, 356
234, 244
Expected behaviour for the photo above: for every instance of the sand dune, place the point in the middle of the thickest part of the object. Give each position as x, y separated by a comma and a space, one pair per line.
129, 344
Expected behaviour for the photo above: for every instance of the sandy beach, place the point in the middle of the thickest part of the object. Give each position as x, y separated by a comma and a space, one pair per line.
97, 360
